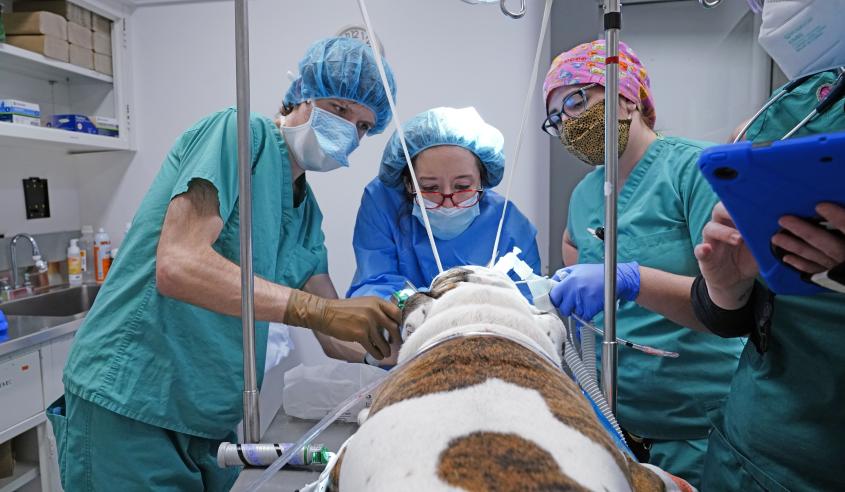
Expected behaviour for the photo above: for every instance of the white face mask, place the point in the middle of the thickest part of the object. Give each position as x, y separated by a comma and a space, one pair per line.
447, 222
323, 143
804, 37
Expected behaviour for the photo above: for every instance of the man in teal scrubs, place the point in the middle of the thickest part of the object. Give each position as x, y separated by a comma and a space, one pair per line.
663, 203
155, 376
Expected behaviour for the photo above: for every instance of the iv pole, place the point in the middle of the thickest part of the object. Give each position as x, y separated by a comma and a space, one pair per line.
252, 427
609, 348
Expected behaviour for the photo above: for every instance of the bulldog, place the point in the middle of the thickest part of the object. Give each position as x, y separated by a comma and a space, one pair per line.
479, 403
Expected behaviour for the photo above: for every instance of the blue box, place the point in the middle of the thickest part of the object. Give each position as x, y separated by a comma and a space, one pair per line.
4, 327
74, 123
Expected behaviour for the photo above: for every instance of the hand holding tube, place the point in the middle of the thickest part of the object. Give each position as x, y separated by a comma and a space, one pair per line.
580, 288
360, 319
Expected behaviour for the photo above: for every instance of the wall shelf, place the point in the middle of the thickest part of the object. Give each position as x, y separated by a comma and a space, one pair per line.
15, 135
25, 472
36, 65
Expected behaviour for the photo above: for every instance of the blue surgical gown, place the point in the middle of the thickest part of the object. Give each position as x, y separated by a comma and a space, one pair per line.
391, 245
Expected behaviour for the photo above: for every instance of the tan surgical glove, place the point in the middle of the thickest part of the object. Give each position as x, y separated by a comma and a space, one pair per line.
359, 319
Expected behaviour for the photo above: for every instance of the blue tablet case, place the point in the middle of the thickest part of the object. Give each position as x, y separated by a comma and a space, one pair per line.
759, 183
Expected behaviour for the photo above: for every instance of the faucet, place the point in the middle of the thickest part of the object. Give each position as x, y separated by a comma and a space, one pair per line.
40, 264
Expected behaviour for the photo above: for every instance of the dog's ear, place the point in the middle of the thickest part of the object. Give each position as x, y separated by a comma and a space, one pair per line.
415, 313
448, 280
553, 327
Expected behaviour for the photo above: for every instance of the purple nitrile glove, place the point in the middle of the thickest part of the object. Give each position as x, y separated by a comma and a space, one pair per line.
580, 288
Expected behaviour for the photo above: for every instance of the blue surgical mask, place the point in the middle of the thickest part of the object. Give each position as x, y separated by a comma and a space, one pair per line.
323, 143
447, 223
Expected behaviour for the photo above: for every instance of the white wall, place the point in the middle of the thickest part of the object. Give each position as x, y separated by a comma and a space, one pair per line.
708, 73
18, 163
443, 52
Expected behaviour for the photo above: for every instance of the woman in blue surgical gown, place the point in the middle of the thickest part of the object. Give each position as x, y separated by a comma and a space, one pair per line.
457, 158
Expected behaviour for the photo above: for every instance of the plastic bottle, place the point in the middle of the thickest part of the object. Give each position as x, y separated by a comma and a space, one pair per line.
125, 233
264, 454
74, 263
102, 255
86, 253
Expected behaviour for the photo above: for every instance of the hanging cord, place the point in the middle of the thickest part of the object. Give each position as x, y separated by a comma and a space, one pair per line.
371, 33
526, 106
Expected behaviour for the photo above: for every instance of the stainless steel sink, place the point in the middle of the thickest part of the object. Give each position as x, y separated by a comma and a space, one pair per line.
21, 326
61, 301
35, 320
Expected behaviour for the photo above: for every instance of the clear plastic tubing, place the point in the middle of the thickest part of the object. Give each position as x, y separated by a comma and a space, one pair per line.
312, 434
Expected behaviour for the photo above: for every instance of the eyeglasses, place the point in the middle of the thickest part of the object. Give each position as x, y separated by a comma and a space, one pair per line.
573, 106
460, 199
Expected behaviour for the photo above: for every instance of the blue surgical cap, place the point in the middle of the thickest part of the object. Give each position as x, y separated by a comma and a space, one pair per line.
446, 126
343, 68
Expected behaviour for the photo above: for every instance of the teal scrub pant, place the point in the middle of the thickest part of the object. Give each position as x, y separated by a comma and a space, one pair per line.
102, 450
684, 459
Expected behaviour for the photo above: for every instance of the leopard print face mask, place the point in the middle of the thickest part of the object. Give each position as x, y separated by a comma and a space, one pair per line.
583, 136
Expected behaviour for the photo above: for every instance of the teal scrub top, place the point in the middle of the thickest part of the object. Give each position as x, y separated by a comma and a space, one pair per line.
781, 427
662, 209
169, 363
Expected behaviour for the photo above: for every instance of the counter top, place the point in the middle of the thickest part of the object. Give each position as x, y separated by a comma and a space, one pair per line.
31, 331
289, 429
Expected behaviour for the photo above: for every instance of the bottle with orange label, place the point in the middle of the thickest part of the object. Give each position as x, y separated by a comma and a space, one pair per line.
102, 255
74, 263
86, 253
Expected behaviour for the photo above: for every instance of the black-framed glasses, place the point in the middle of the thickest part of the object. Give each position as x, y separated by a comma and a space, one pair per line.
459, 199
573, 106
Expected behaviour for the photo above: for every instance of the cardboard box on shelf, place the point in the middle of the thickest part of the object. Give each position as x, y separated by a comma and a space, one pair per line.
80, 36
105, 126
46, 45
46, 23
81, 57
103, 64
70, 11
100, 24
20, 112
102, 43
7, 460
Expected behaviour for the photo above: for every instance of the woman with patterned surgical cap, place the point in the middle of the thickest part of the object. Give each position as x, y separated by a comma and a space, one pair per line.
457, 158
155, 375
663, 204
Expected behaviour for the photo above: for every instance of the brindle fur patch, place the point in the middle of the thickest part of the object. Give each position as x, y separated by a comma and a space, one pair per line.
643, 479
334, 476
470, 361
492, 462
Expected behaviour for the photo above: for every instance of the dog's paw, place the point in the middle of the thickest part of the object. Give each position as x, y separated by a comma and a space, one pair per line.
363, 415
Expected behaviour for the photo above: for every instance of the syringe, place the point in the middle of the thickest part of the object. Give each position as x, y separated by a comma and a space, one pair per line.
636, 346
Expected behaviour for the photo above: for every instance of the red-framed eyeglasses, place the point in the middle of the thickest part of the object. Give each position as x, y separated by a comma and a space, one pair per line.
459, 199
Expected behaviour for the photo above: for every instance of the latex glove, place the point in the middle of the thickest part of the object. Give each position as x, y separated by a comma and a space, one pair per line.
359, 319
580, 288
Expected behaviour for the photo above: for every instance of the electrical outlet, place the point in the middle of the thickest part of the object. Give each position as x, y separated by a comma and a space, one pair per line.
36, 198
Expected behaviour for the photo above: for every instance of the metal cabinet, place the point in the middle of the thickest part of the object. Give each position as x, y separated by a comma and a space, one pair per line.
21, 396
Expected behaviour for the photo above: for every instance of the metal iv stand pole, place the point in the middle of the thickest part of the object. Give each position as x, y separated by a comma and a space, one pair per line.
609, 354
252, 427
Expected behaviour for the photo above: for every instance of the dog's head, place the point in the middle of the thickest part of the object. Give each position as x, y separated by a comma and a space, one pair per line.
480, 299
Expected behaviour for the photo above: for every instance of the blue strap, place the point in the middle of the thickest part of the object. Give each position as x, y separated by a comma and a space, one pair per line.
617, 439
